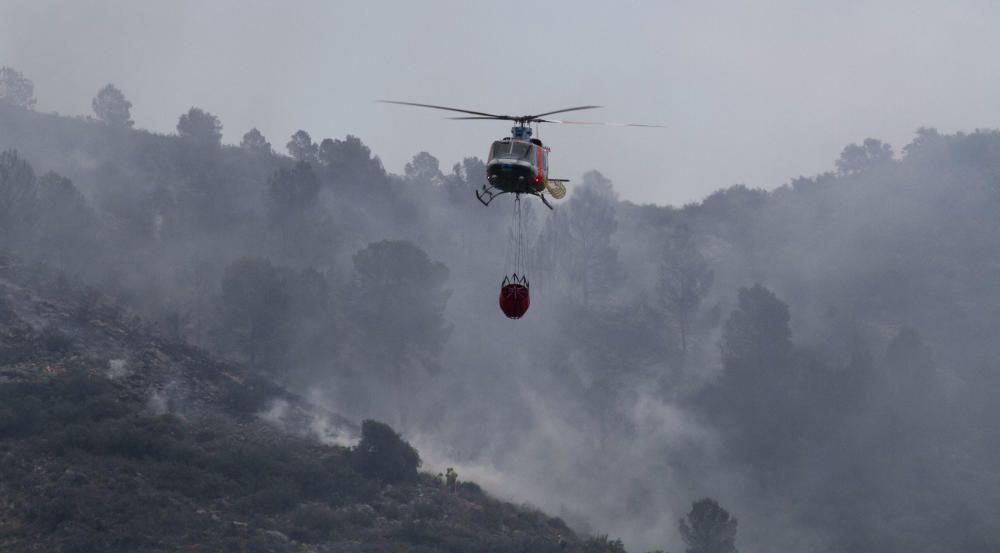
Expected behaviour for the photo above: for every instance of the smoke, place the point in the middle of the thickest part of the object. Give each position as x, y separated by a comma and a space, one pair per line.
306, 421
588, 407
172, 397
117, 368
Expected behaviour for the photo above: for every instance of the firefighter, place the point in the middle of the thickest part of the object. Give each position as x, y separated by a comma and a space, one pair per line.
452, 478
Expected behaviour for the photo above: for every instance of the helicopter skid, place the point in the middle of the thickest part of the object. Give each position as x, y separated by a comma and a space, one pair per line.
487, 193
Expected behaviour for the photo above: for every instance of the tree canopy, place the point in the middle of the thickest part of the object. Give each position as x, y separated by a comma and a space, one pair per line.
16, 89
302, 148
18, 199
757, 335
111, 107
382, 453
254, 142
200, 127
254, 303
708, 528
856, 159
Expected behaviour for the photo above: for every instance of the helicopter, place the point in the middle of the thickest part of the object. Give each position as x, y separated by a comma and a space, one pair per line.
519, 164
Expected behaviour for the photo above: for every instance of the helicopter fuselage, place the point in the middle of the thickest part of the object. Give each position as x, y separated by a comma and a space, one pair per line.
517, 166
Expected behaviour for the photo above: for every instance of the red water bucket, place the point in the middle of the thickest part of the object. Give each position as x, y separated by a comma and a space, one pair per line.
514, 297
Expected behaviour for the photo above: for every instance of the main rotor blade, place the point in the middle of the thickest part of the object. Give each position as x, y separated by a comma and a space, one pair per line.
561, 121
562, 111
602, 123
492, 117
442, 107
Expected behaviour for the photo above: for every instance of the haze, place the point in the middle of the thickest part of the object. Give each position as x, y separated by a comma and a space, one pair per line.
819, 357
753, 93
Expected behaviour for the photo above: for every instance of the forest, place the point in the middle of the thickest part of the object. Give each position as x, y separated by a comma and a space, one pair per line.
820, 357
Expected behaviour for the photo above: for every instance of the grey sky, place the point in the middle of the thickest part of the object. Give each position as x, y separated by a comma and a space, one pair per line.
753, 92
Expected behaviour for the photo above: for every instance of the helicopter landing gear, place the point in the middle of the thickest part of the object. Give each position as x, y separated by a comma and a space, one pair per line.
487, 193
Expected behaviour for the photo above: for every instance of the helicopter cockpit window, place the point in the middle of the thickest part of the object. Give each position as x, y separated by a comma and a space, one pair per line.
511, 150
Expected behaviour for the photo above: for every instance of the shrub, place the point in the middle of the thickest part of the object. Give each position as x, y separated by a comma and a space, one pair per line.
87, 304
383, 454
190, 480
73, 397
246, 399
428, 509
52, 340
602, 544
314, 522
470, 489
7, 314
253, 468
50, 509
418, 533
77, 396
271, 500
120, 439
360, 515
19, 416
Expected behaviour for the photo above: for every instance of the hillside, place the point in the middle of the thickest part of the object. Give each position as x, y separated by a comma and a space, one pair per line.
112, 439
820, 357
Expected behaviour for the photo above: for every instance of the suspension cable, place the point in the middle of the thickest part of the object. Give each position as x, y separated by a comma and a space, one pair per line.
517, 251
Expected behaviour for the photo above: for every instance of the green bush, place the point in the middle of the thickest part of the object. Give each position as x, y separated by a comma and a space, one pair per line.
54, 341
130, 439
418, 533
362, 516
77, 397
88, 543
314, 522
254, 468
19, 416
428, 509
74, 397
191, 481
16, 347
49, 510
246, 399
603, 544
271, 500
383, 454
7, 314
470, 490
204, 436
88, 302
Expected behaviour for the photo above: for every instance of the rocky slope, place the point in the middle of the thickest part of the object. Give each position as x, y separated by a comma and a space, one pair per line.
113, 439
